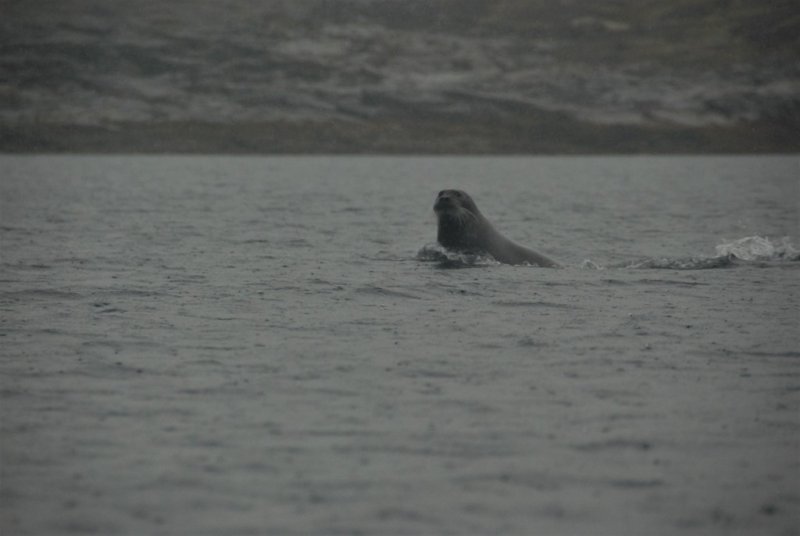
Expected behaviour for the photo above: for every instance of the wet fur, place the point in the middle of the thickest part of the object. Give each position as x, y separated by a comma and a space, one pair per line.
463, 228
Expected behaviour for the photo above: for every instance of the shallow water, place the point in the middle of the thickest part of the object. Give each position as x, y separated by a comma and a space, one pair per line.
209, 345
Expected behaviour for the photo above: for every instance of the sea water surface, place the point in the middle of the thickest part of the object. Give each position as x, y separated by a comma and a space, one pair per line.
248, 345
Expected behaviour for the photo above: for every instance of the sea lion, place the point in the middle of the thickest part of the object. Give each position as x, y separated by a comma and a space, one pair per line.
463, 228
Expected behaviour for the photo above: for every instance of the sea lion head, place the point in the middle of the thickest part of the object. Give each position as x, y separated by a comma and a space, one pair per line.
460, 221
451, 202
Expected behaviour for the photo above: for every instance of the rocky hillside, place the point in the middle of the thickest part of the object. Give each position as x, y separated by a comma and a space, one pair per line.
400, 76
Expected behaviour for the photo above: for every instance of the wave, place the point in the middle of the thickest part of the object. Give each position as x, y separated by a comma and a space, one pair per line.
685, 263
758, 248
446, 258
730, 253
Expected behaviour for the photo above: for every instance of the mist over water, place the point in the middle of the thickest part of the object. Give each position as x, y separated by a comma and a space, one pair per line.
244, 345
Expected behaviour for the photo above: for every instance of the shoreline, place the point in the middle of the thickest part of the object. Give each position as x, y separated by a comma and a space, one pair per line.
551, 133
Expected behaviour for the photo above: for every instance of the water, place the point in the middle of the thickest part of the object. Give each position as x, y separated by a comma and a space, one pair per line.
217, 345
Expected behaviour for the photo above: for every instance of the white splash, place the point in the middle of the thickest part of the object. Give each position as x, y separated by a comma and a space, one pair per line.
589, 264
758, 248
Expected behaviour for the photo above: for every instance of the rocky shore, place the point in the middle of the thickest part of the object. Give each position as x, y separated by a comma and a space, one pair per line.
393, 77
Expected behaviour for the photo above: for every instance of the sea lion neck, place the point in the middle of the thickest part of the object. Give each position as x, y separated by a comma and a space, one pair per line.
458, 231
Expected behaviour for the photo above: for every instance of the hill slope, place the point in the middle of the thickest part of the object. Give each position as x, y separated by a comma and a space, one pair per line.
392, 76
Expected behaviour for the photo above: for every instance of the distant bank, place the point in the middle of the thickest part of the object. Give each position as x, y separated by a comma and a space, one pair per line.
553, 133
400, 76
